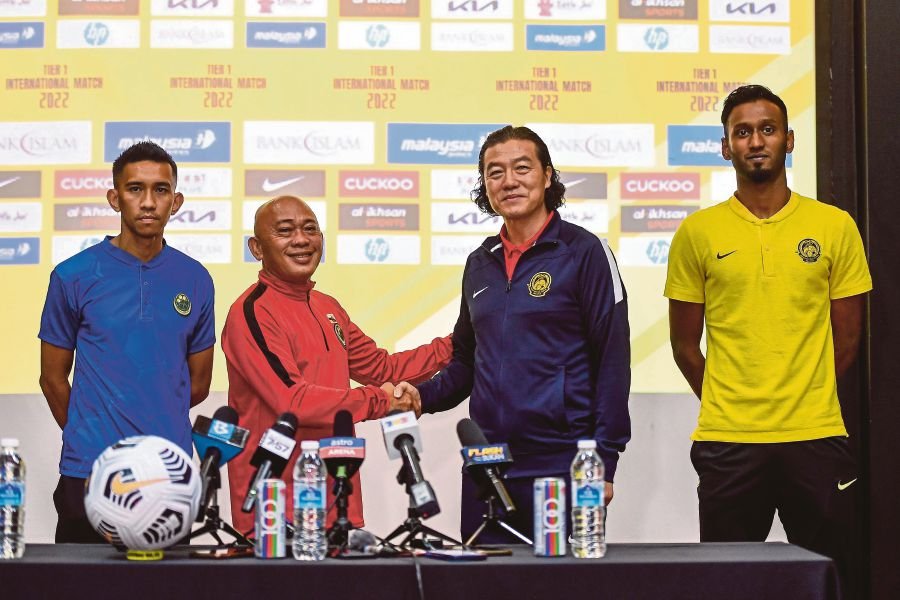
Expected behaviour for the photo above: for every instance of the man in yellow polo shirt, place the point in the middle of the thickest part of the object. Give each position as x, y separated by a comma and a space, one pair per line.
779, 279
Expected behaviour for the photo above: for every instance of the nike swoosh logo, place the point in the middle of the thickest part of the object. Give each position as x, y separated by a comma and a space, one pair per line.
9, 181
721, 256
575, 182
120, 488
479, 291
844, 486
269, 186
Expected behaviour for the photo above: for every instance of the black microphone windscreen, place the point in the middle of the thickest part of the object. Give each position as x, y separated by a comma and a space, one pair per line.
343, 424
287, 424
470, 433
226, 414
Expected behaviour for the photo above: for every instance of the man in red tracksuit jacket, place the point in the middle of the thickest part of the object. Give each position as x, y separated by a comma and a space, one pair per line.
290, 348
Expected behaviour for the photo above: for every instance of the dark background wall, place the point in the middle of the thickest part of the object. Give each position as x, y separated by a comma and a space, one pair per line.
858, 89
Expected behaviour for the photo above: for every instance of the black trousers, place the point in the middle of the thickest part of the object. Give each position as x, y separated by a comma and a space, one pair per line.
811, 484
72, 525
521, 489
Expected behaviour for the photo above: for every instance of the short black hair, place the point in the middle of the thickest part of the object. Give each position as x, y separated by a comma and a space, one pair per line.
751, 93
554, 196
141, 151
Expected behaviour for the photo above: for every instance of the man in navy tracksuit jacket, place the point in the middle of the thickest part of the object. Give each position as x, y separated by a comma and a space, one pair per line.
542, 339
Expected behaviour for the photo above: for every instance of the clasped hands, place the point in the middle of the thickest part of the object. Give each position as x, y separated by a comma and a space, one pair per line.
404, 396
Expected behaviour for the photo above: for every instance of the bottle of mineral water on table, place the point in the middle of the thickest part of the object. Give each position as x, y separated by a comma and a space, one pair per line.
310, 495
588, 511
12, 500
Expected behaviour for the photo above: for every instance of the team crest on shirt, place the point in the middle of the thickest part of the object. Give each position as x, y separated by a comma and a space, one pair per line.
182, 304
539, 284
337, 330
809, 250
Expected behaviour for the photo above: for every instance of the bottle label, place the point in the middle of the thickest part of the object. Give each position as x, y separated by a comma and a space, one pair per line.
588, 494
310, 496
12, 493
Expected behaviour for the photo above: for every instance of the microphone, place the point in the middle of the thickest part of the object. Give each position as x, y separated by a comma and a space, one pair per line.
272, 455
217, 440
343, 454
402, 440
484, 462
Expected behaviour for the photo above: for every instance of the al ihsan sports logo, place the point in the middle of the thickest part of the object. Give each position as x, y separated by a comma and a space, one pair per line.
539, 284
809, 250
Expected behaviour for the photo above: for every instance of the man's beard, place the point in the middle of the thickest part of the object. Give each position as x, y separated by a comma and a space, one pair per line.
760, 175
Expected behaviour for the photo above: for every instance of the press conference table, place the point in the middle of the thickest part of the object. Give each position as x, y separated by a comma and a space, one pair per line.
633, 571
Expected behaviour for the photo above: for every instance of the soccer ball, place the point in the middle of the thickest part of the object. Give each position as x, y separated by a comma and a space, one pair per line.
143, 493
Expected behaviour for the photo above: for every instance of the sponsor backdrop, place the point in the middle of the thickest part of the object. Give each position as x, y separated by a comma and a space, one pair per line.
374, 111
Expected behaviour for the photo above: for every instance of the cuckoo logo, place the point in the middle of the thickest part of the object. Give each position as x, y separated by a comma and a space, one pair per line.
379, 184
660, 186
82, 184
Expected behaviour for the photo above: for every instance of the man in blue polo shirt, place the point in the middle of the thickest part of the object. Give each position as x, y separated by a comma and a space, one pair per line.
136, 318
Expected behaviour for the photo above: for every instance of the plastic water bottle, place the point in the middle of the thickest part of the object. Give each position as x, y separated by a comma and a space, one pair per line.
12, 500
588, 535
310, 496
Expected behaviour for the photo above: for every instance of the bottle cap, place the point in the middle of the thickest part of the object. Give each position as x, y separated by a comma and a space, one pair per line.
9, 442
309, 445
587, 444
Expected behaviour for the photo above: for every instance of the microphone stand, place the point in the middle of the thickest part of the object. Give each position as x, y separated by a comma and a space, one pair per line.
493, 520
416, 531
213, 523
338, 534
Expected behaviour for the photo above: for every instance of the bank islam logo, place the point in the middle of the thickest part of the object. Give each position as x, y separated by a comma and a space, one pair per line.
286, 8
436, 143
599, 144
472, 37
192, 33
376, 35
207, 248
21, 35
285, 35
453, 249
472, 9
743, 39
568, 10
45, 143
186, 141
657, 38
759, 11
20, 251
309, 142
584, 38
